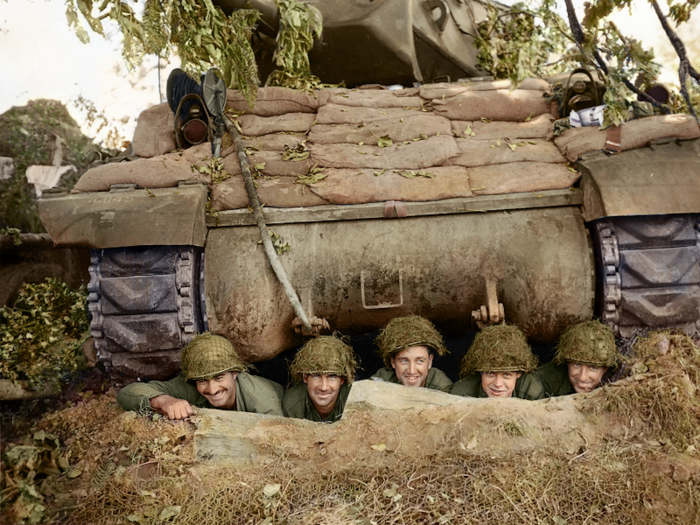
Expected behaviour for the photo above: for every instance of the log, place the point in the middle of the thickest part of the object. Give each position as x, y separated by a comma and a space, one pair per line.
382, 418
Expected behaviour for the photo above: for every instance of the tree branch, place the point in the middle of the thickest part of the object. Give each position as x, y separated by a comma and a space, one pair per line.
685, 68
264, 234
577, 30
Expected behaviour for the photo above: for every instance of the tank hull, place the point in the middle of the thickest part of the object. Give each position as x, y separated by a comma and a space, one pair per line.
360, 274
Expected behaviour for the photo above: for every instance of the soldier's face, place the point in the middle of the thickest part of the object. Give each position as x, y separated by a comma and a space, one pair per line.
412, 365
220, 391
499, 384
323, 390
585, 378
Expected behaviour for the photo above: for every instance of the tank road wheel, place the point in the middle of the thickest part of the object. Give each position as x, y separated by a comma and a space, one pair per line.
648, 272
146, 305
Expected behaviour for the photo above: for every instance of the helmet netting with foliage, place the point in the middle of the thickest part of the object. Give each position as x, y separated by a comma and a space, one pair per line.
589, 343
402, 332
499, 348
327, 354
209, 355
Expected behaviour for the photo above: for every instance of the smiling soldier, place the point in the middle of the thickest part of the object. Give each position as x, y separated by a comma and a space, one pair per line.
498, 364
584, 354
213, 376
408, 346
323, 369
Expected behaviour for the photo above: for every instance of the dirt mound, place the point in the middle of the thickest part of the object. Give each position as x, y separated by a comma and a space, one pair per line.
622, 462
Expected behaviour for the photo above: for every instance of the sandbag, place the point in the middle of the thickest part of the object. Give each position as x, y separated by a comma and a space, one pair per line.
164, 171
414, 155
275, 165
155, 132
413, 126
520, 177
541, 127
450, 89
273, 193
254, 125
273, 101
274, 142
339, 114
375, 99
512, 106
487, 152
346, 186
635, 134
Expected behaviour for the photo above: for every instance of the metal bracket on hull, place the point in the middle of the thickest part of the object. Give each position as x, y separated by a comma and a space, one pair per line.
492, 312
381, 305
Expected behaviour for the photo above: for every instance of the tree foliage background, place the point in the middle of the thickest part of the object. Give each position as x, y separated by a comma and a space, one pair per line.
535, 41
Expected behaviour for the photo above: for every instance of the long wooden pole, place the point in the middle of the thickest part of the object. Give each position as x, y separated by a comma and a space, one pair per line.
260, 220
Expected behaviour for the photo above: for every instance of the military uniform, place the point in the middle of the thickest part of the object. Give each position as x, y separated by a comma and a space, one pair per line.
253, 394
555, 379
436, 380
297, 403
527, 387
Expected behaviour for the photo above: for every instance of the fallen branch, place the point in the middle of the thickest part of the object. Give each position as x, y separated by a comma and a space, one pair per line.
260, 220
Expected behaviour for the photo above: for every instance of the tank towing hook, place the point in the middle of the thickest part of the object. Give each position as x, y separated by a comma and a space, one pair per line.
492, 312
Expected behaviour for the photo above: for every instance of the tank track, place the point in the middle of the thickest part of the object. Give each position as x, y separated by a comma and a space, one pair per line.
146, 304
648, 272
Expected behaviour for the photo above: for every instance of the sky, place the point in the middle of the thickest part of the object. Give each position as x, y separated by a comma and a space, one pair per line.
40, 57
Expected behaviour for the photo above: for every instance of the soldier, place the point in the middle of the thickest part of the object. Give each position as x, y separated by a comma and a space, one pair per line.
585, 352
503, 359
213, 376
324, 370
408, 345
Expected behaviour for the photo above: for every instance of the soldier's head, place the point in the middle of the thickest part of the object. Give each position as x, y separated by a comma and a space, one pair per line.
408, 345
211, 362
324, 363
501, 355
589, 351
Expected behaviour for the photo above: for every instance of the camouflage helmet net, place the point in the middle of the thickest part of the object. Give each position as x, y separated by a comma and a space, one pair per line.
209, 355
402, 332
499, 348
326, 354
589, 343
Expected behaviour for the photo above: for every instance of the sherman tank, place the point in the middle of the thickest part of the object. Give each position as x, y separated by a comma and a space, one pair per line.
453, 200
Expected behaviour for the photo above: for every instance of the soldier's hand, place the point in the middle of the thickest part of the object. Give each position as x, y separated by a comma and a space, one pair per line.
172, 407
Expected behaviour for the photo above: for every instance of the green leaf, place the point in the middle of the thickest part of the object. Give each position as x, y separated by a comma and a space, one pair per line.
380, 172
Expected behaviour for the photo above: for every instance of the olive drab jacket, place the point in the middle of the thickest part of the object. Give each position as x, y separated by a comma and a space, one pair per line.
555, 380
297, 403
253, 394
436, 380
527, 387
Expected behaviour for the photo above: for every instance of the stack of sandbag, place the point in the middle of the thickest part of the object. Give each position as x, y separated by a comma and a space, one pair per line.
340, 146
634, 134
418, 144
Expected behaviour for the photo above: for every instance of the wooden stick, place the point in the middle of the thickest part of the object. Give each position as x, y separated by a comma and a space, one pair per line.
260, 220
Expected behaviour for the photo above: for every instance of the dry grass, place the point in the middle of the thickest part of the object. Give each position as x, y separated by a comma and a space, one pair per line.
662, 394
611, 486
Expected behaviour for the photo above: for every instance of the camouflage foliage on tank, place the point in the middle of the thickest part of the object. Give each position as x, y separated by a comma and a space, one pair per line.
500, 348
